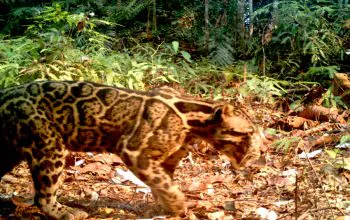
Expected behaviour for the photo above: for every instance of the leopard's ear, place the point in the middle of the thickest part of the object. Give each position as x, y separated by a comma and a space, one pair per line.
227, 110
221, 113
217, 117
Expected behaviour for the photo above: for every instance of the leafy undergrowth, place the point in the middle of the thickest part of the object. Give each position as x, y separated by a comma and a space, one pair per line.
281, 185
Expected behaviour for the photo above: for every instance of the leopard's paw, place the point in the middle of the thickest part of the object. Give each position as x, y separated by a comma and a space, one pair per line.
59, 211
74, 214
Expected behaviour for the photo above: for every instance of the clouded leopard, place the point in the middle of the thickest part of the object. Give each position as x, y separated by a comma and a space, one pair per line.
42, 121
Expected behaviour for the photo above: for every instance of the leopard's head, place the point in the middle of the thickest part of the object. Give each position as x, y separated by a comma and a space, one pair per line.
234, 135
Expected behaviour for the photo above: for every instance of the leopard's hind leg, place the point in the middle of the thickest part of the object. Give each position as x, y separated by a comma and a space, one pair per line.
46, 158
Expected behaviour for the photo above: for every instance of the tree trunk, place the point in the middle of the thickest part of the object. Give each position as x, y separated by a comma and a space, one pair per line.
148, 25
234, 25
267, 36
275, 9
251, 27
240, 28
154, 17
206, 19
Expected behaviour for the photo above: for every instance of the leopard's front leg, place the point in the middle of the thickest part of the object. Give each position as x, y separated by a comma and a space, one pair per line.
46, 157
165, 192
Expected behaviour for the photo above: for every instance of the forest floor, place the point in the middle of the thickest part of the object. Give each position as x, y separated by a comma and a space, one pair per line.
283, 184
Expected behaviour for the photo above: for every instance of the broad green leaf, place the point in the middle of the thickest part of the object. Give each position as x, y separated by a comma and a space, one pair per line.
172, 78
187, 56
332, 153
344, 139
175, 46
346, 163
52, 76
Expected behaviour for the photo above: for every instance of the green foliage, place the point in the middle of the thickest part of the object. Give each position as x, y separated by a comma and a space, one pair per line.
19, 15
345, 139
126, 11
57, 27
303, 36
203, 78
221, 51
18, 50
284, 144
319, 74
14, 54
307, 43
264, 88
154, 67
336, 155
323, 75
185, 54
330, 100
53, 17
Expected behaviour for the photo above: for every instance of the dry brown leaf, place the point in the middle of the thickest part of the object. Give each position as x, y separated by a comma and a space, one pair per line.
347, 176
191, 215
9, 179
94, 168
301, 123
204, 204
280, 181
218, 215
319, 113
294, 122
207, 188
22, 201
81, 25
107, 158
221, 178
341, 86
347, 217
